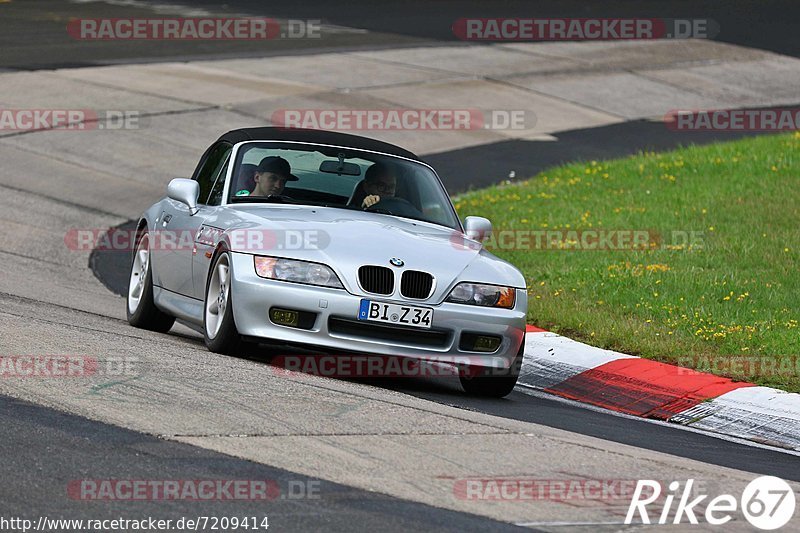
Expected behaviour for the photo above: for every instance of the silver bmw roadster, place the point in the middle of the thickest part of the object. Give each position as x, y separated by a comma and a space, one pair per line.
331, 241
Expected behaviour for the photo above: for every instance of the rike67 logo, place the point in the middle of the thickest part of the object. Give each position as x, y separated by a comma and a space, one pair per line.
767, 502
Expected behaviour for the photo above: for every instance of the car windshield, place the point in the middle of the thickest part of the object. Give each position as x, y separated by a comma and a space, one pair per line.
339, 177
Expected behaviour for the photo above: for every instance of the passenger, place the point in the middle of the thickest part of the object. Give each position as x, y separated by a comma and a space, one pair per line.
271, 176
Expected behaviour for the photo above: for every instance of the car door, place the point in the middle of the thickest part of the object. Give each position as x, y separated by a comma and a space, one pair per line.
178, 227
209, 234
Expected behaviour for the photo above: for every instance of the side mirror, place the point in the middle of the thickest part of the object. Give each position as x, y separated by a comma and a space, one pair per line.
184, 191
477, 228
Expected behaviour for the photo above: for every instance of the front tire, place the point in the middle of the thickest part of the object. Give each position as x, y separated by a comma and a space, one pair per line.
141, 309
219, 329
493, 383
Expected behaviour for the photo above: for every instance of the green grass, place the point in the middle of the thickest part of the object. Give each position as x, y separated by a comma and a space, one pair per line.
728, 303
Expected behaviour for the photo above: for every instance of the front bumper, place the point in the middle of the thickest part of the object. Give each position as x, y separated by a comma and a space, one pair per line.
336, 326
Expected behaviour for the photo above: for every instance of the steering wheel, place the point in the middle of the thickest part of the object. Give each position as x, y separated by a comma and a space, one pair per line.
394, 205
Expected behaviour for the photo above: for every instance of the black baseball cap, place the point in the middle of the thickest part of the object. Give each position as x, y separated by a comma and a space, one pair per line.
277, 165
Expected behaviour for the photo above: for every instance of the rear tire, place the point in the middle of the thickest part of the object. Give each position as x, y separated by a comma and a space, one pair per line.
219, 329
493, 382
141, 309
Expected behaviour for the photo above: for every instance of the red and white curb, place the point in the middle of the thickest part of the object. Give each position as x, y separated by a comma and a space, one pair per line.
641, 387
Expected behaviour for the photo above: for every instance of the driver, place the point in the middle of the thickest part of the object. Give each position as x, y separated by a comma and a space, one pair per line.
271, 176
379, 182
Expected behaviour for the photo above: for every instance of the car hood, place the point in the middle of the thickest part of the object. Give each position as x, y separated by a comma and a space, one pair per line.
347, 239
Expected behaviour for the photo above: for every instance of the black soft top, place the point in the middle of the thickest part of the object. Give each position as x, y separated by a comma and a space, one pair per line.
316, 136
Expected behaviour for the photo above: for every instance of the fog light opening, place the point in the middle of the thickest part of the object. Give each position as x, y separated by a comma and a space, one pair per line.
486, 344
284, 317
474, 342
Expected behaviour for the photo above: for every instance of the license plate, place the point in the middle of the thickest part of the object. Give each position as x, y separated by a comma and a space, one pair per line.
403, 315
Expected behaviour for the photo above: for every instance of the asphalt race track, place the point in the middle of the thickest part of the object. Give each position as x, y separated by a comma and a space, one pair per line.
377, 454
62, 445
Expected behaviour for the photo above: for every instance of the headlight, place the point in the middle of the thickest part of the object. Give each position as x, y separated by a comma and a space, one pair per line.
296, 271
482, 295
